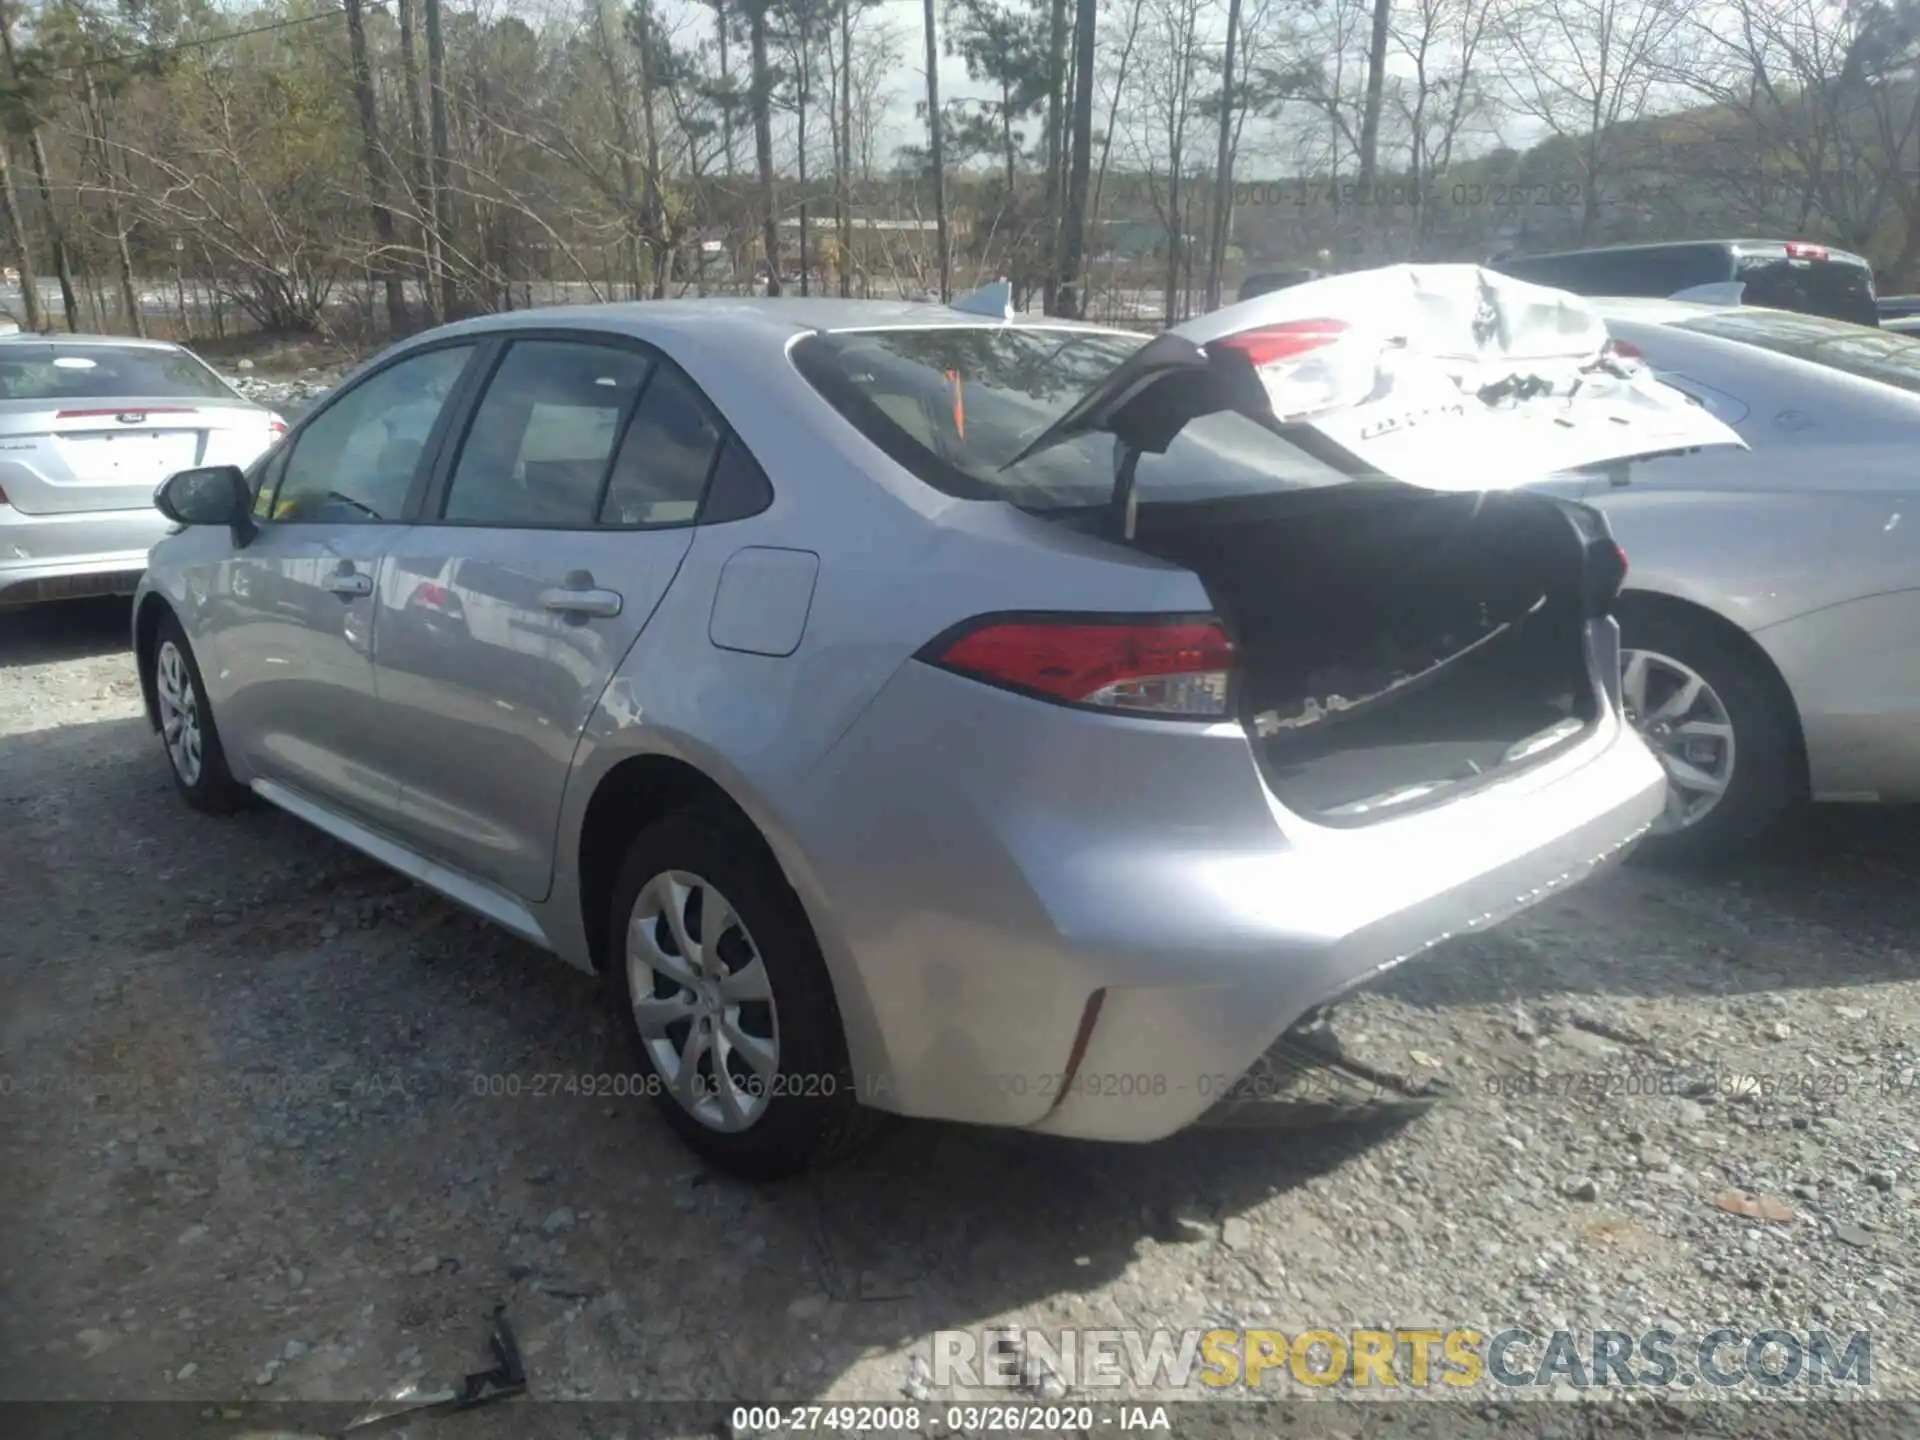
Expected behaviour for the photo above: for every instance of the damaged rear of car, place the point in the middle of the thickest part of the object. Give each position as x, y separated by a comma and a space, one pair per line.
1409, 665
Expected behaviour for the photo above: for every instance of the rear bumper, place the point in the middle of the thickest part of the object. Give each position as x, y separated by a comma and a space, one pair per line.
988, 865
58, 557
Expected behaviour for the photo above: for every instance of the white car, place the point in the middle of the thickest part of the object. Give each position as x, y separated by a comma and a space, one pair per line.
89, 426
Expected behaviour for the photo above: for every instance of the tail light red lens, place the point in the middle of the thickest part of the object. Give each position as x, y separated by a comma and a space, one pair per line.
1176, 667
1271, 344
1799, 250
276, 427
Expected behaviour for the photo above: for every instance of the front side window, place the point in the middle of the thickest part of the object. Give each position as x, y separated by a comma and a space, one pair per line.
541, 440
956, 404
356, 460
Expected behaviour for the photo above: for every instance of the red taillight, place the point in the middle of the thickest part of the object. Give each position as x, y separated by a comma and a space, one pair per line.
431, 592
1626, 350
1272, 343
1173, 667
1621, 551
276, 426
1798, 250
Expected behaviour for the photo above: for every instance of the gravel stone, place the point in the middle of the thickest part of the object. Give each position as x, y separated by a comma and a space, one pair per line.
286, 1111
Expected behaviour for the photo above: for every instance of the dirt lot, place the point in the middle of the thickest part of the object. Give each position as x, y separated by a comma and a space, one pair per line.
256, 1143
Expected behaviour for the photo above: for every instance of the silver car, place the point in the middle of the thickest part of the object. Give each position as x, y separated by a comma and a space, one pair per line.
905, 710
1772, 614
89, 425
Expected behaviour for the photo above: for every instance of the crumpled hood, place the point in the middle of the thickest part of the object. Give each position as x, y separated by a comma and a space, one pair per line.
1449, 377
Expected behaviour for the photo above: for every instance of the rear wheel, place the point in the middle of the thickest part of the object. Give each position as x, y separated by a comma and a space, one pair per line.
727, 1001
1718, 727
194, 752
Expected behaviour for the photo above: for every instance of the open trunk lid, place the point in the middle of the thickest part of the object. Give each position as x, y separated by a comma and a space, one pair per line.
1447, 377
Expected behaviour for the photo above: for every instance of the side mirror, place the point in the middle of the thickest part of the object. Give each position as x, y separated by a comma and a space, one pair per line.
210, 495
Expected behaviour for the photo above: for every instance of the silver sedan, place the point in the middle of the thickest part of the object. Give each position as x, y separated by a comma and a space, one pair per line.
921, 710
1771, 617
89, 425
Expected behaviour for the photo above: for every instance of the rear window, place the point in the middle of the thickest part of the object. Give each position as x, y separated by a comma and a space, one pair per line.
1851, 349
1839, 289
104, 372
955, 404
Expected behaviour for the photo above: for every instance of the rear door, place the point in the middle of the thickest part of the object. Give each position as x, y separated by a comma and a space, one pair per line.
550, 535
294, 634
94, 426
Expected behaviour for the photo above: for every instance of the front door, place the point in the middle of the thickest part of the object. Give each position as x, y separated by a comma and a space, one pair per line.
548, 540
295, 642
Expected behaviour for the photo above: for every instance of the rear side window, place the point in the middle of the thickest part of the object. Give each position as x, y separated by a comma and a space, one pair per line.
955, 404
543, 435
665, 459
1851, 349
105, 372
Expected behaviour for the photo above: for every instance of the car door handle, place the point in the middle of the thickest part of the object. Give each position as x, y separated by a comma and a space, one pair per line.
349, 583
582, 601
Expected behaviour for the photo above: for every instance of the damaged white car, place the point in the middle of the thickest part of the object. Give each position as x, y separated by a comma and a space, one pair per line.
931, 711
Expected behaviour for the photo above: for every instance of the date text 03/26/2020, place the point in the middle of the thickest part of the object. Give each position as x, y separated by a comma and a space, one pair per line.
976, 1419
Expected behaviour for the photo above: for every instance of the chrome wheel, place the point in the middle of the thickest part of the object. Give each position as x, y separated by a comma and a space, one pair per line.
179, 712
1685, 723
701, 1001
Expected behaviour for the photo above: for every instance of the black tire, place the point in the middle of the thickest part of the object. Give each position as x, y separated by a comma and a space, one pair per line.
213, 789
1767, 772
811, 1116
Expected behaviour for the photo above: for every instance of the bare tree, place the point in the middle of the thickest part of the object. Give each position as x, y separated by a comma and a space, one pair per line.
375, 158
761, 99
21, 243
441, 166
1072, 298
23, 116
1813, 121
1582, 68
1223, 161
1446, 43
937, 156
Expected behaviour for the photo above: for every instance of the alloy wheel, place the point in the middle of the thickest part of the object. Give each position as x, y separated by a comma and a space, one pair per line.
1685, 723
702, 1001
179, 712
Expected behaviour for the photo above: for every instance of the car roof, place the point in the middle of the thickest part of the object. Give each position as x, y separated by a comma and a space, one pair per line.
712, 320
129, 342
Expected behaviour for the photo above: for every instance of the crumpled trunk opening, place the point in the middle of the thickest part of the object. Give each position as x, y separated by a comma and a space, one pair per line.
1394, 645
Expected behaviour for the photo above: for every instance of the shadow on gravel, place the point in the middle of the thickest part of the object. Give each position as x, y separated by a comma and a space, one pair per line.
276, 951
65, 630
1829, 900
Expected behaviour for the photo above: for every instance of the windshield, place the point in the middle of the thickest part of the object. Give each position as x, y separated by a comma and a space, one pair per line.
1881, 355
955, 404
104, 372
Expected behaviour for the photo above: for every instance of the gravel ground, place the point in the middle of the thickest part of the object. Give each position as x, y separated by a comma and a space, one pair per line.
249, 1153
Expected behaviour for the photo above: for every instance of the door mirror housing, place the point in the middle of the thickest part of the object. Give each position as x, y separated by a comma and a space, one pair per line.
208, 495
